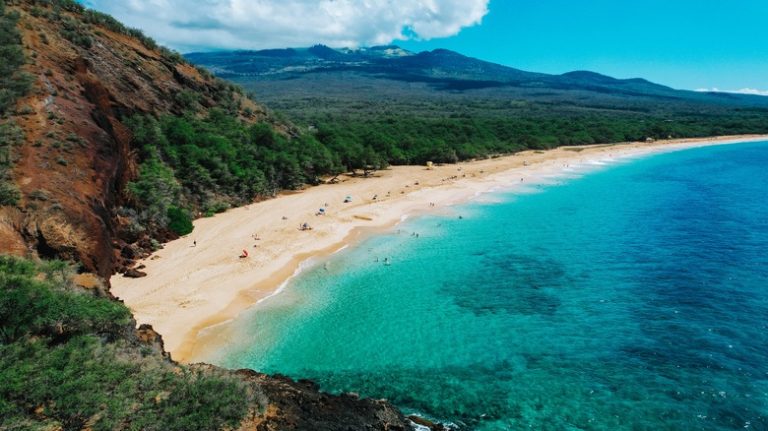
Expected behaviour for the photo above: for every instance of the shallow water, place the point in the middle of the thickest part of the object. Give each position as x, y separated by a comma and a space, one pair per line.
632, 298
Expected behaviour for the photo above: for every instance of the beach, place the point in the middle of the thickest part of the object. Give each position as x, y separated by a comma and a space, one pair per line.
200, 281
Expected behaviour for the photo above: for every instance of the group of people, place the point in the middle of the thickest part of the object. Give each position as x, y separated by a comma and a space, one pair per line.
255, 237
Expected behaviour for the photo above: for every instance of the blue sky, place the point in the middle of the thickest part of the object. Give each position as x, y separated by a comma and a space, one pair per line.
682, 43
688, 44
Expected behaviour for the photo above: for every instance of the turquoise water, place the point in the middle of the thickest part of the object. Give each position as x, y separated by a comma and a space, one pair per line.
632, 298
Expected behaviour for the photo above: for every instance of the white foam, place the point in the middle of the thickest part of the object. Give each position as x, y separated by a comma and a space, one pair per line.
342, 248
301, 268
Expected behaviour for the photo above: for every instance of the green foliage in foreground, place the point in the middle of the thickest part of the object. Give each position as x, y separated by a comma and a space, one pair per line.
68, 359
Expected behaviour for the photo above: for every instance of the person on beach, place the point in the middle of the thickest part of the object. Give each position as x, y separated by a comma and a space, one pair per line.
244, 255
194, 243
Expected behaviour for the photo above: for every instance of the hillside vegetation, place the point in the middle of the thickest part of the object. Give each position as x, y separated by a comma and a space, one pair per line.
442, 106
69, 360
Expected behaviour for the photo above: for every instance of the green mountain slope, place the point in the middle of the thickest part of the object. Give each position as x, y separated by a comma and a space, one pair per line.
443, 106
444, 70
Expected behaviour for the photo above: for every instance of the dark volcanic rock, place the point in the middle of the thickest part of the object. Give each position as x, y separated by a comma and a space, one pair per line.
418, 420
134, 273
299, 405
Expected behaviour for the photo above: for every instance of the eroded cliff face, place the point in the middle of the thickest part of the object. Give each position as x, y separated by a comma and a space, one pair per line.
76, 157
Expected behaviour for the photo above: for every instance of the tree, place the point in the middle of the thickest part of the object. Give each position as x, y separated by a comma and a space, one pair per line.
155, 191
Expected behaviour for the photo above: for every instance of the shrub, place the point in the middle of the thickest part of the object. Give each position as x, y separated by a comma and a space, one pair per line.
155, 191
180, 221
29, 306
9, 193
67, 361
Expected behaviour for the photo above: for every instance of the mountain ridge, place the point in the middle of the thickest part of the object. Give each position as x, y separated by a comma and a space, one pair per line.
443, 106
438, 63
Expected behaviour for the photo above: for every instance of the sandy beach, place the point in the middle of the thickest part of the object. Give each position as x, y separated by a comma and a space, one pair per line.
192, 287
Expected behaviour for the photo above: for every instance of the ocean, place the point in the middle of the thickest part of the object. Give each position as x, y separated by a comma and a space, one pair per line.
626, 296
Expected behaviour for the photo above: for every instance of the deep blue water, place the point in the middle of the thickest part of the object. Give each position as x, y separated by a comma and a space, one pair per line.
632, 298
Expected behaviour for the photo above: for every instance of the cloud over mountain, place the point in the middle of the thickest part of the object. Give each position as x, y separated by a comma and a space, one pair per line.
752, 91
253, 24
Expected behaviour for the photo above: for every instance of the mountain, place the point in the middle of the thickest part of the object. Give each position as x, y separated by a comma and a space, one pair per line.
394, 106
442, 69
110, 144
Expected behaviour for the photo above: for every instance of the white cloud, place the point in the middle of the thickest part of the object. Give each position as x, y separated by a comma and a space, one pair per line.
752, 91
253, 24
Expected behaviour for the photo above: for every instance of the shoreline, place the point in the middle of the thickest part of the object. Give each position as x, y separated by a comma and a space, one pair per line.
191, 289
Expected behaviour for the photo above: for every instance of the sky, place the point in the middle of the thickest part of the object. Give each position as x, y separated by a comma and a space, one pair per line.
688, 44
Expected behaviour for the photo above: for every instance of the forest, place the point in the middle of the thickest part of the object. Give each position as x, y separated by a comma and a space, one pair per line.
195, 165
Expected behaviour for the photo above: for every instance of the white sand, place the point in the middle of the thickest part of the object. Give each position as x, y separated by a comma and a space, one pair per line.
190, 288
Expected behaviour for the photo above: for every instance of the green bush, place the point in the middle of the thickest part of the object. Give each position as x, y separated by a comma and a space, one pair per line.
28, 306
9, 193
155, 191
180, 221
68, 361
